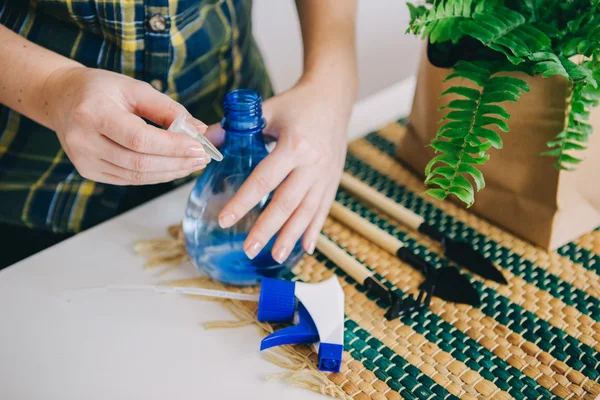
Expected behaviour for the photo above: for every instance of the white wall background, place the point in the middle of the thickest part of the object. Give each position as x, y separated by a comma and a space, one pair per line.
385, 54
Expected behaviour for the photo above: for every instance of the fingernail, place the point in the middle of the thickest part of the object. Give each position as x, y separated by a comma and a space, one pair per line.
199, 123
311, 248
252, 249
200, 162
280, 255
226, 220
195, 151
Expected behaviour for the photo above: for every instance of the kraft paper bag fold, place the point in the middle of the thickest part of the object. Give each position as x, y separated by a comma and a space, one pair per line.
524, 193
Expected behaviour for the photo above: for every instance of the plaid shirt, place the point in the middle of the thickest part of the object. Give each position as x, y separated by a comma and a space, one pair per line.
194, 50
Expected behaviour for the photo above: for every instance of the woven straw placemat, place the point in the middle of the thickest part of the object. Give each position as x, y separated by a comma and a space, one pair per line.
536, 338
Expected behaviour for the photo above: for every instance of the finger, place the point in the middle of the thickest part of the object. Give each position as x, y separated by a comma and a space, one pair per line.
268, 112
118, 155
102, 177
134, 133
293, 229
311, 235
140, 178
215, 134
262, 181
285, 201
159, 108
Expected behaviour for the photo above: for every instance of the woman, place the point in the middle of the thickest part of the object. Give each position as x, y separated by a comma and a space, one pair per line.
81, 80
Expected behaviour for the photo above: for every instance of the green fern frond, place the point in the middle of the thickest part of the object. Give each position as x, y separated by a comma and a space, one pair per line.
466, 135
577, 132
506, 31
582, 38
441, 22
549, 64
576, 24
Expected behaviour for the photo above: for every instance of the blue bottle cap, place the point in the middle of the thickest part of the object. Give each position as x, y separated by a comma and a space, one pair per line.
277, 301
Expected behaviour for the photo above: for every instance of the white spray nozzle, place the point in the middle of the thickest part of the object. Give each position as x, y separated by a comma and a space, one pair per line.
181, 125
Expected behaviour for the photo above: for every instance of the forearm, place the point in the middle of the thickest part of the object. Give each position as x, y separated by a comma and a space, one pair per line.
25, 67
329, 37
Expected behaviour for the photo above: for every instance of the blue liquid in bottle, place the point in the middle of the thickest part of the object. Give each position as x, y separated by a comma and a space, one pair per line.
219, 252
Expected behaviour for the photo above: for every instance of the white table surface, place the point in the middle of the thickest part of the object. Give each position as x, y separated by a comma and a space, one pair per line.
134, 345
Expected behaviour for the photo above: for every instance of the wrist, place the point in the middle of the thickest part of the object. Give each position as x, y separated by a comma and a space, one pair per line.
338, 90
55, 92
343, 80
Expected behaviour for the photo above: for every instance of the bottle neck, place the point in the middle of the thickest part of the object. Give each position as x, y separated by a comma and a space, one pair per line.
242, 112
239, 143
243, 121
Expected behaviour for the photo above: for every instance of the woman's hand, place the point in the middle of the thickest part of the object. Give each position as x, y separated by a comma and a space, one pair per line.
305, 168
97, 117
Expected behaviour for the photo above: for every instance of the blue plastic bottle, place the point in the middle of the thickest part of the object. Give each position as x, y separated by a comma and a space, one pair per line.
219, 252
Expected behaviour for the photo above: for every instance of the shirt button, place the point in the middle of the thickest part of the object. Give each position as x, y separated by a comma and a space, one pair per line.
158, 84
158, 23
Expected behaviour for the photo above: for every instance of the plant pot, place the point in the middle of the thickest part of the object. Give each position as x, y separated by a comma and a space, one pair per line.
524, 192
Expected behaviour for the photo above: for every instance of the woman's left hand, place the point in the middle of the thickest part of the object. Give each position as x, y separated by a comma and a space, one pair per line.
310, 122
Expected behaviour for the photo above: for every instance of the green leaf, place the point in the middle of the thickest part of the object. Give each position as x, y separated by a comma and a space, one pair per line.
460, 105
552, 153
583, 128
549, 30
453, 133
446, 172
499, 97
578, 106
441, 22
477, 148
490, 135
463, 195
446, 147
488, 5
441, 182
493, 109
577, 137
471, 94
495, 86
474, 173
484, 121
478, 78
480, 66
415, 12
439, 194
574, 146
455, 125
566, 158
462, 182
459, 115
442, 158
509, 80
555, 143
466, 158
506, 31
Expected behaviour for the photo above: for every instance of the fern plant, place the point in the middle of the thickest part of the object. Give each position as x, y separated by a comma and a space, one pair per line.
539, 37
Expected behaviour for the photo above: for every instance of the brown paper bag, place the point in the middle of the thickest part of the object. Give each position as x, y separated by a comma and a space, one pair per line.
524, 193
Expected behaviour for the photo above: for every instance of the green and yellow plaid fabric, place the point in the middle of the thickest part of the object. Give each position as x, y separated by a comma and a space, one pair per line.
196, 50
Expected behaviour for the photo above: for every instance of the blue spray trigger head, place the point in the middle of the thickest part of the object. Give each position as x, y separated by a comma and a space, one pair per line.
320, 316
277, 301
305, 332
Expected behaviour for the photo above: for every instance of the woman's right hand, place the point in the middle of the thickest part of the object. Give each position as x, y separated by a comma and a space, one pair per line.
97, 116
